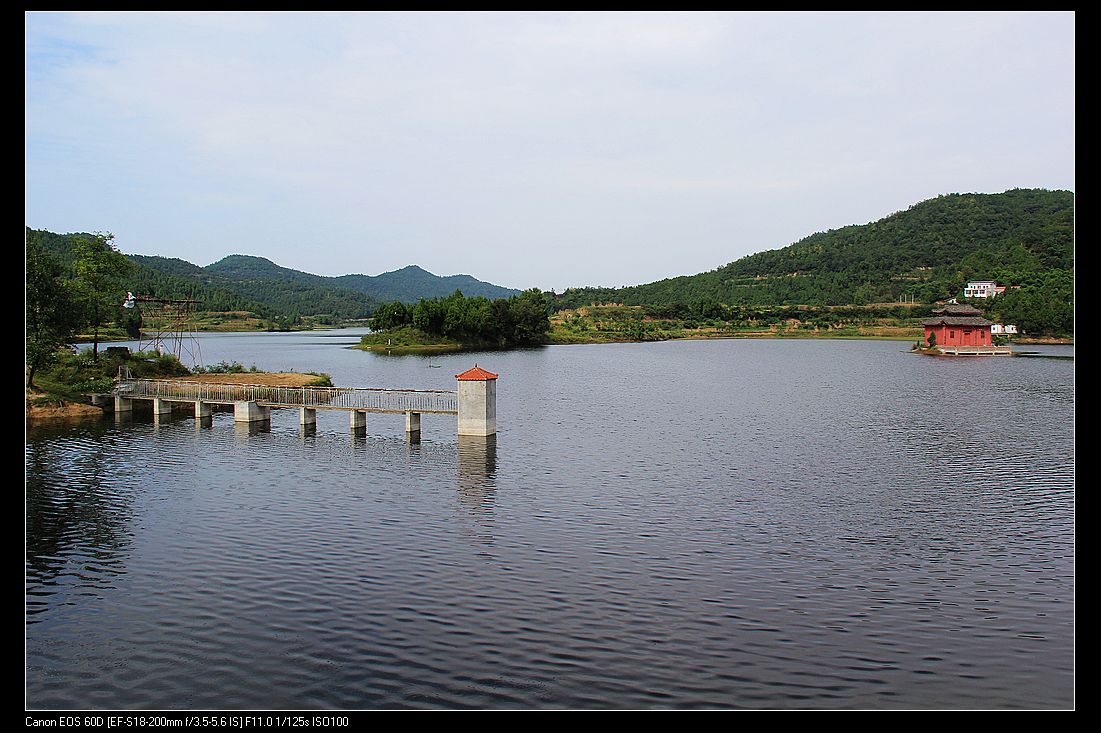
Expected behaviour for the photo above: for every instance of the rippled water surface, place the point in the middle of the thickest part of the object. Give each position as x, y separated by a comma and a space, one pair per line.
771, 524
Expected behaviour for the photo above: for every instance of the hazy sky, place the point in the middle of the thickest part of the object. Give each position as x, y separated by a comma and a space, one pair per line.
546, 150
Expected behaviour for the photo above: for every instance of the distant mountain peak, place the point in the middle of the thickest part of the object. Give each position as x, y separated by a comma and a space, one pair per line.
412, 282
242, 258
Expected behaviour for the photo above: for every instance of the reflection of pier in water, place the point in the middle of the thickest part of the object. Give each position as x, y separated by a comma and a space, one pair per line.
475, 459
477, 464
477, 470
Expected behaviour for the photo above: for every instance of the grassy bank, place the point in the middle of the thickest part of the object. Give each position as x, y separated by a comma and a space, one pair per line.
225, 322
611, 324
63, 391
407, 340
1039, 340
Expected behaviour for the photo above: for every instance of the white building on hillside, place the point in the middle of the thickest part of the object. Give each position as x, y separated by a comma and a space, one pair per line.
983, 289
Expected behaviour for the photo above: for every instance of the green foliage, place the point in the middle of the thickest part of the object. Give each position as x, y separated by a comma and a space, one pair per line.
152, 364
71, 375
521, 320
172, 279
130, 321
347, 296
51, 320
322, 380
412, 283
1042, 305
391, 315
407, 338
99, 272
225, 367
927, 252
289, 322
280, 296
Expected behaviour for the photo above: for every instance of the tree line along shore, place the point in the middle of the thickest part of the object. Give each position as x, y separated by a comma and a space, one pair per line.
876, 280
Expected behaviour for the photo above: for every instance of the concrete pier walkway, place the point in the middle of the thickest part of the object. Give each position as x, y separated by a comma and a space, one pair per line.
474, 403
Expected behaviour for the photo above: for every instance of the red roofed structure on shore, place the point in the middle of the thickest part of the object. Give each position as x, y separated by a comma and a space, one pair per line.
476, 374
958, 325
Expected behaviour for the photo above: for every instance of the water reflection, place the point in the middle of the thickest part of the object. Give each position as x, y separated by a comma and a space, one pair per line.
242, 431
832, 539
477, 470
77, 522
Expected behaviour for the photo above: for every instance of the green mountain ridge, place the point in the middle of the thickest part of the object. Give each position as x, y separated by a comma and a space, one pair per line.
927, 252
396, 285
260, 286
1022, 238
408, 284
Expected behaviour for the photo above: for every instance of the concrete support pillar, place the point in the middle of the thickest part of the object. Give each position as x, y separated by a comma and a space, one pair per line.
358, 420
161, 408
412, 422
123, 404
202, 410
477, 402
249, 412
306, 416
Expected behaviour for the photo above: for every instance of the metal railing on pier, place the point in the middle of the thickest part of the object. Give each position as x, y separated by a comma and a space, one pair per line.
330, 398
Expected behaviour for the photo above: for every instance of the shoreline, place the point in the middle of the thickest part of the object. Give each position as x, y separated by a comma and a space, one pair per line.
416, 349
440, 347
61, 410
452, 348
40, 409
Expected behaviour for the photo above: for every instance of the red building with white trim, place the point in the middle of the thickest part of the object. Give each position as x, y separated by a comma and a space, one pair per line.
958, 325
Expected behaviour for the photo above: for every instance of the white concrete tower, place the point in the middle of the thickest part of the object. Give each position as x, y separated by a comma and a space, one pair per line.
477, 402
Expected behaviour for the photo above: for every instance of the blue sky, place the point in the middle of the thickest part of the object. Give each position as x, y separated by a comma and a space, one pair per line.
546, 150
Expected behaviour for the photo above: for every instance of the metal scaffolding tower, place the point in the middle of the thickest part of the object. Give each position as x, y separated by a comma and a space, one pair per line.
167, 326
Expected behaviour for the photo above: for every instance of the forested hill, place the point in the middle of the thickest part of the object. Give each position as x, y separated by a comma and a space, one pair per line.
157, 276
398, 285
409, 284
1020, 237
163, 277
281, 293
259, 286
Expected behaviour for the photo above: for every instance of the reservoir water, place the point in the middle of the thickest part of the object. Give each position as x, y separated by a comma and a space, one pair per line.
722, 524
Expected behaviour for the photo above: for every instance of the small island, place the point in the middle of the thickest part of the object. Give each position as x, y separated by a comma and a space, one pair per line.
457, 323
407, 340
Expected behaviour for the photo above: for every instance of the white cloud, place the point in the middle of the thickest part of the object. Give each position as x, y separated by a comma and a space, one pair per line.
402, 135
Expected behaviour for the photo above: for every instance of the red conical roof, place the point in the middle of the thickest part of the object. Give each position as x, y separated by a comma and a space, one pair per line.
475, 374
